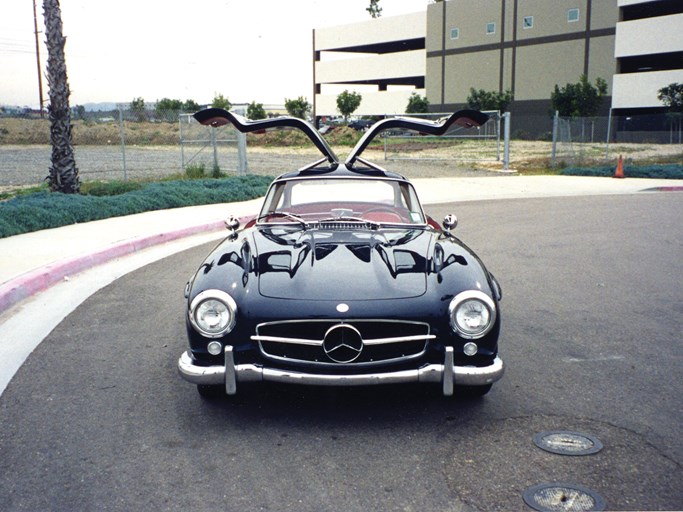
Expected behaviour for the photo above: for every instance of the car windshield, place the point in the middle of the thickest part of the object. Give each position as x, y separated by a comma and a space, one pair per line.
381, 201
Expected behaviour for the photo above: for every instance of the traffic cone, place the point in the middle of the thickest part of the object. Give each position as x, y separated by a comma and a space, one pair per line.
619, 173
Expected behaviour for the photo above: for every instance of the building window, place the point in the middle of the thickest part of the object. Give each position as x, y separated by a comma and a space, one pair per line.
455, 33
528, 22
572, 15
490, 28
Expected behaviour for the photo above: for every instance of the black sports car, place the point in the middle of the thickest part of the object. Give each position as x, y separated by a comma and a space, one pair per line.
342, 280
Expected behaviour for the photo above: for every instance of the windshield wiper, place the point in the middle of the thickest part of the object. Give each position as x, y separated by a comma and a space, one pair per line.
285, 215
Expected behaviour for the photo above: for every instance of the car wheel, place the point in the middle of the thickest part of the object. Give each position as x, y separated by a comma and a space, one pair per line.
210, 392
469, 392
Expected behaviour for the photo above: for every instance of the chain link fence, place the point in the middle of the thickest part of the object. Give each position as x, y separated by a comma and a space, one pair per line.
123, 144
486, 143
119, 144
578, 141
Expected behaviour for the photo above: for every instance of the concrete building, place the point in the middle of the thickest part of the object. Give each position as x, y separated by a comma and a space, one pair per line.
649, 53
525, 46
383, 58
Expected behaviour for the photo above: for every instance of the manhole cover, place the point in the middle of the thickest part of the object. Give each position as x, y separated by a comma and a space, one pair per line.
567, 443
562, 497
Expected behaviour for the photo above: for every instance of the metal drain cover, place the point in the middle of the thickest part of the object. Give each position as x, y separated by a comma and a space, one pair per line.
562, 497
567, 443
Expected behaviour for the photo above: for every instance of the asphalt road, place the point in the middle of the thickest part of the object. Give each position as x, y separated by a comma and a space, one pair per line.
97, 418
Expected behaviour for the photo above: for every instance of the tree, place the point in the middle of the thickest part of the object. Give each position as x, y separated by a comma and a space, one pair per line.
374, 9
298, 107
191, 106
63, 173
219, 101
255, 111
489, 100
137, 106
79, 112
672, 97
168, 109
579, 100
348, 102
417, 104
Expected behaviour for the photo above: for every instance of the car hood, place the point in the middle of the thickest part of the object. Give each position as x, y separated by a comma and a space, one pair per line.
341, 265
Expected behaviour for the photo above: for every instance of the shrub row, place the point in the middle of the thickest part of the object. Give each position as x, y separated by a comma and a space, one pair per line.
44, 210
672, 171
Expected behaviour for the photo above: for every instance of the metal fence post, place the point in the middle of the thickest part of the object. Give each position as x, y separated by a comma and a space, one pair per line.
122, 132
498, 136
215, 148
506, 148
182, 141
242, 164
609, 132
556, 122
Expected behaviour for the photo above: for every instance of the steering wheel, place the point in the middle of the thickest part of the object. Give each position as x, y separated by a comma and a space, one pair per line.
391, 215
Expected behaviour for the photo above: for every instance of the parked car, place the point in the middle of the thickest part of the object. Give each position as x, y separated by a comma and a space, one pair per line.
342, 280
360, 124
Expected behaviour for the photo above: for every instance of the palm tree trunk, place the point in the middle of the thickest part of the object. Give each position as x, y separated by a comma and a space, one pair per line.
63, 174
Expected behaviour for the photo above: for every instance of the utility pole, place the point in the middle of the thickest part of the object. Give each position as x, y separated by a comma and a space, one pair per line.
40, 74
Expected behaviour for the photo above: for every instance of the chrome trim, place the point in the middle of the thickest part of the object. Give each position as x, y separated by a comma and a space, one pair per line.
230, 373
352, 322
399, 339
220, 296
293, 341
318, 343
334, 345
331, 364
448, 372
435, 373
342, 321
468, 295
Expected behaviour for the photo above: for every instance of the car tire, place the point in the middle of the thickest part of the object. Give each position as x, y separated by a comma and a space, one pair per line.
471, 392
210, 392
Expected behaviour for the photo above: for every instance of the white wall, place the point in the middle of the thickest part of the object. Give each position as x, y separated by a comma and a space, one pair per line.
376, 103
639, 90
661, 34
375, 67
379, 30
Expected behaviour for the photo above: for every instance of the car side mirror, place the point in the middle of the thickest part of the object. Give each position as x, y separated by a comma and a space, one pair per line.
450, 221
232, 223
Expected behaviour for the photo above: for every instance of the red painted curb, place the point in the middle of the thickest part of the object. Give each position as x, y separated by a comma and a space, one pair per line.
41, 279
664, 189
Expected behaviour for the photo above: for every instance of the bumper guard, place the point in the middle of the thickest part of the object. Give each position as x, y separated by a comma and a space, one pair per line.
447, 374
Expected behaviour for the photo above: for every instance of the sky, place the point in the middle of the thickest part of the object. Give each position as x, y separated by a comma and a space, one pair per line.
246, 50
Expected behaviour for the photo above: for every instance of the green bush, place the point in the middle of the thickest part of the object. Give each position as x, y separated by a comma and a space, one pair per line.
673, 171
44, 210
195, 171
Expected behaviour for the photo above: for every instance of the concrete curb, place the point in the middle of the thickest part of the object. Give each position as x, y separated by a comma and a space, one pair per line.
40, 279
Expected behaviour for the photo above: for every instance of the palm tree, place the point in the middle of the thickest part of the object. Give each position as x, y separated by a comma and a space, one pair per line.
63, 175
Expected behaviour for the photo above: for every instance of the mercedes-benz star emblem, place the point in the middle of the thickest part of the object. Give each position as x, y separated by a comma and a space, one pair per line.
343, 343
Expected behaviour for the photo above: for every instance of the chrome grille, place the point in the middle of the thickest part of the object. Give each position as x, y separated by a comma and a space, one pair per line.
312, 342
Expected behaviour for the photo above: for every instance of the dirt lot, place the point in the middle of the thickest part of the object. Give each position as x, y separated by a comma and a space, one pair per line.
153, 150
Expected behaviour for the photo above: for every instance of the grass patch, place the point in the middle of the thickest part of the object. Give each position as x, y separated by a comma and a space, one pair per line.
22, 191
109, 188
44, 210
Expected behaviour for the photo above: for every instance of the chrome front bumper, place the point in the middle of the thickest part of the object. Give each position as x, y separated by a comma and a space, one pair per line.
447, 374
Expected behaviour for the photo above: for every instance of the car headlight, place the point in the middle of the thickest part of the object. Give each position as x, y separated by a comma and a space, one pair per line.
472, 314
213, 313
